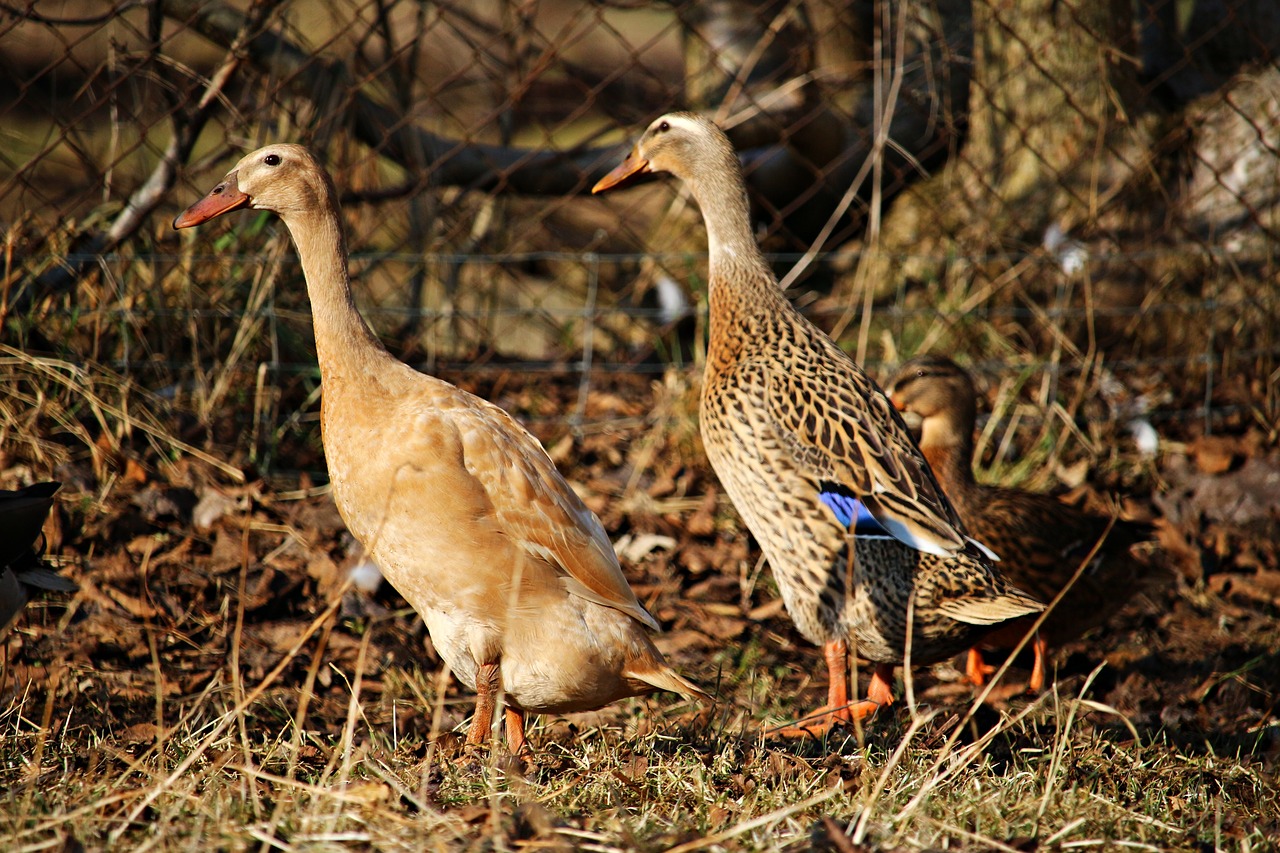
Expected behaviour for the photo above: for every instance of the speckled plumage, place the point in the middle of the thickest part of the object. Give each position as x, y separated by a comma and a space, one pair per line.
1041, 541
786, 415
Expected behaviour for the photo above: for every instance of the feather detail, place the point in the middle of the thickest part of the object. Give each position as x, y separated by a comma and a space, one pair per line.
1010, 604
850, 512
665, 678
839, 428
576, 587
536, 507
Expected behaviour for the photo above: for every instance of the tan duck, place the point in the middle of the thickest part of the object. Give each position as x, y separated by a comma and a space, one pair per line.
1041, 541
459, 505
816, 459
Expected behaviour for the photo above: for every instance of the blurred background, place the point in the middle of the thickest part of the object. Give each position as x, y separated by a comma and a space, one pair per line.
1078, 198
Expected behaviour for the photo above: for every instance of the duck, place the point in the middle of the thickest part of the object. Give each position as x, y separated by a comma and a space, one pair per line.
1042, 541
22, 516
818, 463
457, 504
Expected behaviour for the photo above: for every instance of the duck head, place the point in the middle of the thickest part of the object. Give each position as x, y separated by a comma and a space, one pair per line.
685, 144
283, 178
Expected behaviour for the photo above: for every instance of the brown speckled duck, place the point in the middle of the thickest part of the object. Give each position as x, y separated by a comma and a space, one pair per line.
816, 460
1041, 541
459, 506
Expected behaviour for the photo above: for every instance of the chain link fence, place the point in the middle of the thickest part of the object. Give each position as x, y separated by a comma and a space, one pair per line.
1081, 193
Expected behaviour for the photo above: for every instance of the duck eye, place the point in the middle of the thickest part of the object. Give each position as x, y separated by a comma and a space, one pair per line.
664, 127
272, 159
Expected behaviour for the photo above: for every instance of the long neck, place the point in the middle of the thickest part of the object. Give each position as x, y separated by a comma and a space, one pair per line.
344, 342
947, 443
741, 281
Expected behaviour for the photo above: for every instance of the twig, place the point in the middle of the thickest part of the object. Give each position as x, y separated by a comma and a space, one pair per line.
230, 717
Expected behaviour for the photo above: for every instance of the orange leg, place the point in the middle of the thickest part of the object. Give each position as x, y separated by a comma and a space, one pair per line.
839, 710
976, 669
516, 741
487, 679
836, 654
880, 690
1039, 647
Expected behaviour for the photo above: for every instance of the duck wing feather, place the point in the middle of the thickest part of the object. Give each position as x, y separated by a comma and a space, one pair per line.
839, 427
535, 507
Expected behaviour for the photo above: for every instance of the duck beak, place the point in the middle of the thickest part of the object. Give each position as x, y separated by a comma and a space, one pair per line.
914, 422
629, 169
225, 197
897, 402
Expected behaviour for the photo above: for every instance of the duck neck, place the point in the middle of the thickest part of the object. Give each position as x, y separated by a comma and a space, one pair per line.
948, 446
741, 282
344, 342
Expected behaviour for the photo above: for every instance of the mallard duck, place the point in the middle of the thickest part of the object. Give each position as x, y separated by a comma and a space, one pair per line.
457, 504
817, 462
1041, 541
22, 515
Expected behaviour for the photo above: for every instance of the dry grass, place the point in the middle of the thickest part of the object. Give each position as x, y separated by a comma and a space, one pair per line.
213, 686
224, 723
1059, 773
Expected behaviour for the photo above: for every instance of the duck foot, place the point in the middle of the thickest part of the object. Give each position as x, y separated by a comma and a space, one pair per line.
976, 669
839, 711
824, 720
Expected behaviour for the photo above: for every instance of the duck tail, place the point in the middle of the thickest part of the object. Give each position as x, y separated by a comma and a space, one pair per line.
656, 673
1009, 603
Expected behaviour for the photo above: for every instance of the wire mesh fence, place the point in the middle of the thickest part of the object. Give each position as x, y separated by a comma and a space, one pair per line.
1078, 192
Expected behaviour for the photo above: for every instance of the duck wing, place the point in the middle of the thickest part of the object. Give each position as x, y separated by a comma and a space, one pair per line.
532, 504
841, 430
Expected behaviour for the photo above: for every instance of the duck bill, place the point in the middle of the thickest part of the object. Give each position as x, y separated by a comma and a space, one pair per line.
626, 173
223, 198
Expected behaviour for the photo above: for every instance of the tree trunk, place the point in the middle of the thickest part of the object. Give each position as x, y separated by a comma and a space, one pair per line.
1056, 130
1052, 111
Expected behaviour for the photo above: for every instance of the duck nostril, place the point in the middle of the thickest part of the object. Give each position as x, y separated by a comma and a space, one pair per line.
218, 189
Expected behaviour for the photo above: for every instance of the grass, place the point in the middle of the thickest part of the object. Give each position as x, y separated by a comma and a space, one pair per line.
240, 776
216, 687
212, 687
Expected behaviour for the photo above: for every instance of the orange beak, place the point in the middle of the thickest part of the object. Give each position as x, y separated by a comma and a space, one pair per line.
897, 404
225, 197
632, 167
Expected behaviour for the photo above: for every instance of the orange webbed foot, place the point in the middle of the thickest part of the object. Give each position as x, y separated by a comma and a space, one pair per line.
976, 669
824, 720
834, 715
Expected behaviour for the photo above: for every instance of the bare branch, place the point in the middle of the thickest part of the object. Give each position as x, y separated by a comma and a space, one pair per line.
450, 162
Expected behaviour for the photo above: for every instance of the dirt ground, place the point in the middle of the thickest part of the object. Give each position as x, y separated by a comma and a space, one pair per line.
181, 571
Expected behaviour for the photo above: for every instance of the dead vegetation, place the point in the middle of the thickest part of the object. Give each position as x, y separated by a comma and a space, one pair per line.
217, 682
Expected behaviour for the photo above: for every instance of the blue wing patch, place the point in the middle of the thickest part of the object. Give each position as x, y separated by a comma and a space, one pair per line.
851, 512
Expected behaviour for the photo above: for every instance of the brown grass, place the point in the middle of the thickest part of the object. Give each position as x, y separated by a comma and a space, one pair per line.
220, 687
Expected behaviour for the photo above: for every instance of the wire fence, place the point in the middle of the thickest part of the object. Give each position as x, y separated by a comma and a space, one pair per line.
1074, 191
